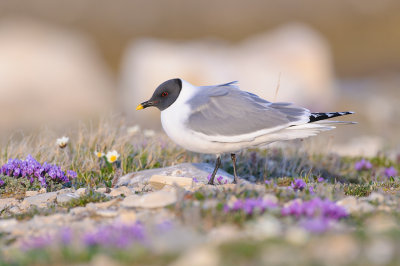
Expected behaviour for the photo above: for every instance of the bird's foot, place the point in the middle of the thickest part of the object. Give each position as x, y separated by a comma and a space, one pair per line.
211, 182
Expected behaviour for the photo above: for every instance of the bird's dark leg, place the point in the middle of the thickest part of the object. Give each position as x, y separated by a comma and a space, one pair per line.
217, 164
233, 157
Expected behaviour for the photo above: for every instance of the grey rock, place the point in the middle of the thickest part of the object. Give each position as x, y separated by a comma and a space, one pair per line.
157, 199
40, 200
200, 171
66, 197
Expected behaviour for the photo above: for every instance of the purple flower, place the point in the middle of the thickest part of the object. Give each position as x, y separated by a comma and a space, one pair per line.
115, 236
267, 182
71, 174
164, 226
315, 208
195, 180
250, 205
219, 179
38, 242
311, 190
1, 182
209, 177
362, 165
390, 172
316, 225
298, 184
320, 179
32, 169
66, 236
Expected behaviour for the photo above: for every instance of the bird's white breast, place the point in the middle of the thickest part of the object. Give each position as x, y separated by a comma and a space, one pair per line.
174, 118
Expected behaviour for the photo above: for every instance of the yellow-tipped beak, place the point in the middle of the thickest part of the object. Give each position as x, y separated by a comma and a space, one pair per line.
139, 107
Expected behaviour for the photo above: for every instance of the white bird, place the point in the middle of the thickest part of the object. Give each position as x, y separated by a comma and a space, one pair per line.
224, 119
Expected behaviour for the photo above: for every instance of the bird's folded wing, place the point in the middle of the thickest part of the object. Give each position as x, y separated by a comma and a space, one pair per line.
226, 114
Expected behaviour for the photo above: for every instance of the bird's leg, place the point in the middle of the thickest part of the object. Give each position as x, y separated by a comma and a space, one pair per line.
217, 164
233, 157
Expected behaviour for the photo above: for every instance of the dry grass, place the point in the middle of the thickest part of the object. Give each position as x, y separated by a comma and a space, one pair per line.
139, 152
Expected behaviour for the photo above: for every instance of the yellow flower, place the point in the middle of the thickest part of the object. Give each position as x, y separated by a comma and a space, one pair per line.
62, 142
112, 156
99, 154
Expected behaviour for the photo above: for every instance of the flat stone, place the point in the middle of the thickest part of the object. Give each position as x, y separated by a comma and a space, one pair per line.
7, 203
40, 200
156, 199
106, 204
66, 197
159, 181
31, 193
123, 190
200, 171
107, 213
80, 191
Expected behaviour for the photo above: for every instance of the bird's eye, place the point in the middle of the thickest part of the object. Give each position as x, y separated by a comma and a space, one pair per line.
164, 94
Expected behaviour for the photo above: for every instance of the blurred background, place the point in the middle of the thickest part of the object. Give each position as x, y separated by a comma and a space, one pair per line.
70, 61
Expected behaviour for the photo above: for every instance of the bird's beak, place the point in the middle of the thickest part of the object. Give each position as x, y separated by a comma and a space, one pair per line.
144, 105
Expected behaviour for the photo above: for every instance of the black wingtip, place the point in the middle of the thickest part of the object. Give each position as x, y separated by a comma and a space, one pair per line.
322, 116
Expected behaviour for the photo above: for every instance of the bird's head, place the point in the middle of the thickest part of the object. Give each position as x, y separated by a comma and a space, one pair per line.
165, 95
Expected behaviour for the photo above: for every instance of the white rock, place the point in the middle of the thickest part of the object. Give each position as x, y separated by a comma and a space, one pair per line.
159, 181
66, 197
157, 199
31, 193
200, 171
40, 200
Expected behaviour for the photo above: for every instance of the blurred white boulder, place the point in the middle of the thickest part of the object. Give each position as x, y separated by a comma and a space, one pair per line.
49, 75
293, 56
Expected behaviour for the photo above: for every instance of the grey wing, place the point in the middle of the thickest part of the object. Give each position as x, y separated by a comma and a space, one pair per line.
225, 110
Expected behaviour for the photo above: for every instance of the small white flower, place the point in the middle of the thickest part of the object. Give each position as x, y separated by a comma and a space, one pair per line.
99, 154
112, 156
62, 142
133, 130
148, 133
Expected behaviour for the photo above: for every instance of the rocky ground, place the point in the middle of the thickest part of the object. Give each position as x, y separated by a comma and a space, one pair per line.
184, 221
144, 203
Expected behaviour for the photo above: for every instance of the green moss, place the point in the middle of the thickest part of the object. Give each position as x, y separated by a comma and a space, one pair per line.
358, 190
